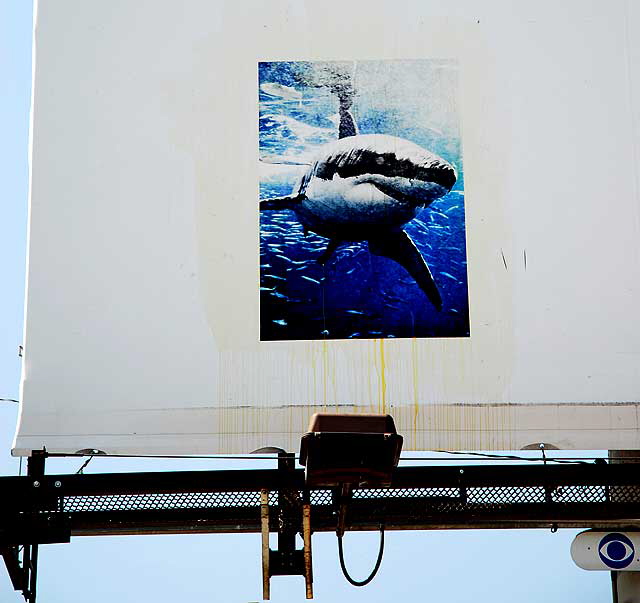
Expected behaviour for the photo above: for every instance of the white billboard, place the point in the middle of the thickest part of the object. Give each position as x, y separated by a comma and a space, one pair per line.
244, 213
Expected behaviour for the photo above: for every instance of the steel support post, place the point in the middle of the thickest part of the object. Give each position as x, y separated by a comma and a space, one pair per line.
35, 470
306, 538
264, 524
625, 585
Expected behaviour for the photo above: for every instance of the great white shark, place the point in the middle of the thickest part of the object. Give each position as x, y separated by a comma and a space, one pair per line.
366, 187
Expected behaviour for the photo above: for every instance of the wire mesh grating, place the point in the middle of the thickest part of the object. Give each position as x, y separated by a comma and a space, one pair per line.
162, 502
471, 497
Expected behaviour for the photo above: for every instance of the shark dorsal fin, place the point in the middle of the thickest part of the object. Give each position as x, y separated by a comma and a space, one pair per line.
347, 125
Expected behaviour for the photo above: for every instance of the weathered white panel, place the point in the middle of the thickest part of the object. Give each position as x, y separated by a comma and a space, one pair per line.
142, 326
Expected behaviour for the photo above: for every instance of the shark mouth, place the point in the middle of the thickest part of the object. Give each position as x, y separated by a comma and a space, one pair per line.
417, 193
389, 161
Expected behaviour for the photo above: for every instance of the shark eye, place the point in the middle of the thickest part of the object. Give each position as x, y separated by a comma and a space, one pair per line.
380, 160
616, 551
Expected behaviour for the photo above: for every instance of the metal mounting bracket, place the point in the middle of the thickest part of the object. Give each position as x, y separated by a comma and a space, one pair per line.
293, 517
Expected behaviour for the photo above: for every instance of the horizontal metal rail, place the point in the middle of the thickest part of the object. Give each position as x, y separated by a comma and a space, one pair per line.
51, 508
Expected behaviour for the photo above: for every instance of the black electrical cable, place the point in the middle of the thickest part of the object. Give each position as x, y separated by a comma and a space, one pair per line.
478, 457
81, 470
375, 569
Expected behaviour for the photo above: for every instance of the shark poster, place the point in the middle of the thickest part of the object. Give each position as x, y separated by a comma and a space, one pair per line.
362, 216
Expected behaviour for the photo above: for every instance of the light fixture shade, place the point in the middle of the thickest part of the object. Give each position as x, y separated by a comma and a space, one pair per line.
356, 449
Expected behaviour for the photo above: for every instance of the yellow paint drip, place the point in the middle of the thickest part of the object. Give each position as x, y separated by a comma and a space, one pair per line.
325, 374
383, 380
414, 367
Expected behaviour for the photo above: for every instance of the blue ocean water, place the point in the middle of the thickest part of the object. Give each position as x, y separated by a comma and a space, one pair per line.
357, 294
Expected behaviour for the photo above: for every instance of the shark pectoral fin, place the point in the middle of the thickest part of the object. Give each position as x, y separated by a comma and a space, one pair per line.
398, 247
328, 252
276, 203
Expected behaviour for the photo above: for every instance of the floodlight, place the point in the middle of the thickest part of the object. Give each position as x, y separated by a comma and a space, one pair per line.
356, 449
